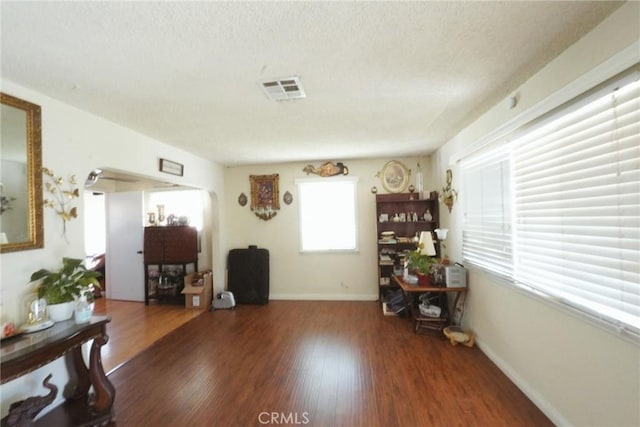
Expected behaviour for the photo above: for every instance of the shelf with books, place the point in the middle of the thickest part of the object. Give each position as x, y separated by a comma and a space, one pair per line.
400, 219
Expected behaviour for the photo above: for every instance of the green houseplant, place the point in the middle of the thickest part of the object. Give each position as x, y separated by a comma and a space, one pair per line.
420, 264
64, 285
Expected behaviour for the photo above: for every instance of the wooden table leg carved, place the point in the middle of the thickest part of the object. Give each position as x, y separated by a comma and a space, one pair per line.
104, 392
82, 407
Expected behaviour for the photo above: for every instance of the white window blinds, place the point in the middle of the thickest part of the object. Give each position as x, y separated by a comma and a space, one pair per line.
486, 236
577, 204
557, 209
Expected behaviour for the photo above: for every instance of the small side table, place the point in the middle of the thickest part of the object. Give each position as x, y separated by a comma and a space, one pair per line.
23, 354
425, 322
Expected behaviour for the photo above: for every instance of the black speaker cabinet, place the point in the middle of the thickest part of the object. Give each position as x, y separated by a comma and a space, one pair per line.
248, 275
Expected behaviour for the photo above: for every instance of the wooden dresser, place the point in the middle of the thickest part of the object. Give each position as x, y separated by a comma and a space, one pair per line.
168, 246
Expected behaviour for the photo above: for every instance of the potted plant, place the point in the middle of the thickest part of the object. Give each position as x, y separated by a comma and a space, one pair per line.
420, 264
62, 287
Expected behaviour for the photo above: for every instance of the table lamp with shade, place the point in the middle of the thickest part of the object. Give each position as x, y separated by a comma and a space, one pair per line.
426, 250
425, 244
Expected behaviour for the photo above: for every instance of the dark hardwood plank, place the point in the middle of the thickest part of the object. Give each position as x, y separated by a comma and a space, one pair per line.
331, 363
134, 327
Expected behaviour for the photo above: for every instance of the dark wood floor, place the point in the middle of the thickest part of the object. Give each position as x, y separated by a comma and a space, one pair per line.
135, 326
315, 364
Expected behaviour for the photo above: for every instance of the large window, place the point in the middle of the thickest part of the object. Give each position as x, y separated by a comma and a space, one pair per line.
556, 209
328, 214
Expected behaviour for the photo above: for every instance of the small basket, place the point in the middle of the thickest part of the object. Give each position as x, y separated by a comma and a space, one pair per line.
456, 336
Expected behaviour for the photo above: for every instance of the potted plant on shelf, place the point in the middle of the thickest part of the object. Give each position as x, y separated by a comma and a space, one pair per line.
61, 288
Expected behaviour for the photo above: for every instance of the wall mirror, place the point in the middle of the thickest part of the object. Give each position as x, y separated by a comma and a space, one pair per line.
21, 225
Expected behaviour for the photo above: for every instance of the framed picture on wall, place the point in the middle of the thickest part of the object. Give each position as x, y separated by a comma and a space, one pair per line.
394, 176
167, 166
264, 192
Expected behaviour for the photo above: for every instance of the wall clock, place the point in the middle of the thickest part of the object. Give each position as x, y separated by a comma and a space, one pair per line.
394, 176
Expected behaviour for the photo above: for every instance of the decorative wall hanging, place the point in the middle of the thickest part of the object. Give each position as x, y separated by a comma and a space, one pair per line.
242, 199
394, 176
167, 166
448, 195
327, 169
265, 196
62, 199
288, 198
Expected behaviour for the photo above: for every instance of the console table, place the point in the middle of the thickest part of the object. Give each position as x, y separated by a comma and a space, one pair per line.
425, 322
23, 354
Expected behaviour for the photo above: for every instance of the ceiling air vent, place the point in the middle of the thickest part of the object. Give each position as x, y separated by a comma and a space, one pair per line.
283, 89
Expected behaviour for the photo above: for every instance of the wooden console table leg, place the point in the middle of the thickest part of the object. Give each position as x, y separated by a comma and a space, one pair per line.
104, 391
79, 379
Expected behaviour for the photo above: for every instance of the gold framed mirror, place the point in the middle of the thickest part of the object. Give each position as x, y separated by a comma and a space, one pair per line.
21, 226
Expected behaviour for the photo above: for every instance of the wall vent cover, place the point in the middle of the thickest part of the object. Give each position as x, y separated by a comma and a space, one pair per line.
283, 89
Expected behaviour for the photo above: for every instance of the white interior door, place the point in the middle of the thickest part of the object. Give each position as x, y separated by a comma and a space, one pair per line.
125, 233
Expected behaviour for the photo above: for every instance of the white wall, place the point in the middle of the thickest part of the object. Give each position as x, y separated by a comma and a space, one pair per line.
75, 142
329, 276
577, 372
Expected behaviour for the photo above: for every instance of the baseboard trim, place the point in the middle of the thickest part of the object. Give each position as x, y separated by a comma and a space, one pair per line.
325, 297
543, 404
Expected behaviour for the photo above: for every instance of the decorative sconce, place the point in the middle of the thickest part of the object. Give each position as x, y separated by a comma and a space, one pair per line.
61, 199
448, 195
265, 196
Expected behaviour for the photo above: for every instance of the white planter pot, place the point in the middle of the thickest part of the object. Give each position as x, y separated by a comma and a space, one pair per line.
61, 312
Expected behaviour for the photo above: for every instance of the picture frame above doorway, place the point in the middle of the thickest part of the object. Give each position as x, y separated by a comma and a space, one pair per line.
174, 168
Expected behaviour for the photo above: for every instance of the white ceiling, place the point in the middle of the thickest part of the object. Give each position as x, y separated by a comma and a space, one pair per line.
382, 79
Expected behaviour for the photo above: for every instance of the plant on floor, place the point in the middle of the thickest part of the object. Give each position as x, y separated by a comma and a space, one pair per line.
65, 284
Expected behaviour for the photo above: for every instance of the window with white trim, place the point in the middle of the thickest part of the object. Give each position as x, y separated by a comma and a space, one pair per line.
328, 214
559, 203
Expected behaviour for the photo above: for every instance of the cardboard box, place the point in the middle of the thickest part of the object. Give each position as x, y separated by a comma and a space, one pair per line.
196, 295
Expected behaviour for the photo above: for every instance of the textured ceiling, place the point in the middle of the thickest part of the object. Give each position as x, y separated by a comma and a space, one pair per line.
383, 79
